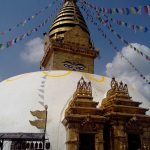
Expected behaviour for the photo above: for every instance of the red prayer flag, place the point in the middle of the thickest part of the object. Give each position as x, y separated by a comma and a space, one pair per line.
148, 58
147, 9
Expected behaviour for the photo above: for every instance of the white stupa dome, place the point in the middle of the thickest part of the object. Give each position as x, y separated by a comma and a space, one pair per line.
24, 93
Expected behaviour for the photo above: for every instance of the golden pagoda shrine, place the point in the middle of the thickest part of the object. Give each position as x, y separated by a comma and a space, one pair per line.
119, 123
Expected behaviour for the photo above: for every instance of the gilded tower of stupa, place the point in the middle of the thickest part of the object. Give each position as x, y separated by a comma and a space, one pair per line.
68, 44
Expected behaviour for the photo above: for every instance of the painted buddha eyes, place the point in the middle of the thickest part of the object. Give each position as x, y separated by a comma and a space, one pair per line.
73, 66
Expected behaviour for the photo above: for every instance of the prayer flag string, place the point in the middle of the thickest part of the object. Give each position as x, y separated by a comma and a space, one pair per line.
11, 42
109, 26
120, 22
128, 25
115, 47
135, 10
27, 20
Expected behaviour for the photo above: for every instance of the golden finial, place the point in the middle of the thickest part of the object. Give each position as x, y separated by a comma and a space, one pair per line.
70, 1
118, 86
83, 88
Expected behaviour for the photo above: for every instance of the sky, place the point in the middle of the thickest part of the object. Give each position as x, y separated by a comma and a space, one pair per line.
25, 56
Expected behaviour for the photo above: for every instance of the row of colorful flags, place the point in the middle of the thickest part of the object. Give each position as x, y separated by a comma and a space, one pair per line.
136, 10
27, 20
124, 57
134, 27
11, 42
120, 22
126, 11
115, 47
109, 26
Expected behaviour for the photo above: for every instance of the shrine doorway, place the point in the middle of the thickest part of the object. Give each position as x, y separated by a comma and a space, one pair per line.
86, 141
106, 136
134, 142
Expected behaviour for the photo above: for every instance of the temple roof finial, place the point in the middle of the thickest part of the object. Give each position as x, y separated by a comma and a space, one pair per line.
83, 88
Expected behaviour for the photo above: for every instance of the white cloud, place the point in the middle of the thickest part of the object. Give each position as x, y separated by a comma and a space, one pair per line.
34, 51
122, 70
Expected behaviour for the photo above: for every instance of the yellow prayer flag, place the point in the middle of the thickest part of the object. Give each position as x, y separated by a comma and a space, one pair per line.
132, 10
40, 124
39, 114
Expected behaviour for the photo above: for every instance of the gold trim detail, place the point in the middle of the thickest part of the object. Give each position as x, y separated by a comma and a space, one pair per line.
16, 78
56, 76
102, 79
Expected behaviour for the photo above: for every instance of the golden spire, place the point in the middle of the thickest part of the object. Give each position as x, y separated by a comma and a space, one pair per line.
70, 1
68, 17
68, 44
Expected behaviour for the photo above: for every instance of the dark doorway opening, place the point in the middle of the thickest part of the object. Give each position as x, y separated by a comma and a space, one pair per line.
106, 136
134, 142
86, 141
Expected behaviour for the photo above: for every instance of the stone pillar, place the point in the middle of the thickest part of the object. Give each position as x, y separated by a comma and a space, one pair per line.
120, 138
146, 139
99, 142
72, 139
